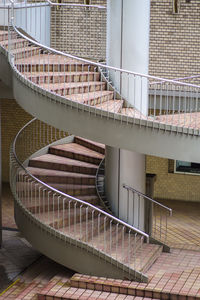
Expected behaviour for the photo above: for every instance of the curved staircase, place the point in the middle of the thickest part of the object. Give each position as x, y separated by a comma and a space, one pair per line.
71, 168
84, 90
87, 238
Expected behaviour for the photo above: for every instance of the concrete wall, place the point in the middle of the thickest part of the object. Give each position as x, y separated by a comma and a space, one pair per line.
125, 167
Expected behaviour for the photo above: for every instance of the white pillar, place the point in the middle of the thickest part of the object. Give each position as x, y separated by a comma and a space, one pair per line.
125, 167
128, 48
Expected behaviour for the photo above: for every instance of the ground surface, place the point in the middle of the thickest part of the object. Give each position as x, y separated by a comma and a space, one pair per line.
17, 255
175, 272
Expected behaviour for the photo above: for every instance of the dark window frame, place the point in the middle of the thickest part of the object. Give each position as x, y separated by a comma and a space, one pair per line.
187, 168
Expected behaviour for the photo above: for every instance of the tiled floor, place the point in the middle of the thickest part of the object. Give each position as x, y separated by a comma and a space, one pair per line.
177, 272
7, 207
183, 226
17, 255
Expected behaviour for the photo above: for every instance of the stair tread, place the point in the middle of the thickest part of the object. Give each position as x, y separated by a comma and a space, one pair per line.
91, 142
41, 203
50, 172
51, 158
37, 74
82, 97
54, 86
68, 293
88, 198
150, 252
133, 112
64, 186
53, 59
61, 217
78, 149
111, 105
5, 42
19, 50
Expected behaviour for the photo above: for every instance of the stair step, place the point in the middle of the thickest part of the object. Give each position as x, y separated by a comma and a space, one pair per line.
76, 151
15, 43
43, 203
75, 87
73, 215
60, 77
70, 189
92, 98
92, 199
132, 112
69, 293
115, 242
55, 176
51, 63
98, 147
150, 253
86, 230
54, 162
22, 290
29, 291
111, 105
3, 36
75, 189
26, 52
110, 285
54, 288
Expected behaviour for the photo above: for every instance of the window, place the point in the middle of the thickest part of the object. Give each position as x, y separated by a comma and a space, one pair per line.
176, 6
87, 2
187, 167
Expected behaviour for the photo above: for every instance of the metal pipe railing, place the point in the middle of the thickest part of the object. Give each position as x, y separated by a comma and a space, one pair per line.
67, 215
154, 213
169, 105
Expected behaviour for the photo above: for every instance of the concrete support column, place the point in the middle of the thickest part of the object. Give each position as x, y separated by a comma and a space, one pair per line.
128, 48
125, 167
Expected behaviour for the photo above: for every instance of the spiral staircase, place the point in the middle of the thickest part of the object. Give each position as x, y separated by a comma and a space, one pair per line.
53, 173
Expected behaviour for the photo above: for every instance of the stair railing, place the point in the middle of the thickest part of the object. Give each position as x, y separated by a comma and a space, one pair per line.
100, 186
156, 214
65, 216
169, 105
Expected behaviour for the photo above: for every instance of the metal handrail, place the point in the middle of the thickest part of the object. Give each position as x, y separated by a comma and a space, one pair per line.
125, 186
49, 3
97, 187
172, 102
99, 65
76, 5
66, 195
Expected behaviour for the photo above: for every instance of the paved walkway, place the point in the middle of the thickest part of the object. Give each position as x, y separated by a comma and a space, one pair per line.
173, 273
7, 207
184, 225
18, 259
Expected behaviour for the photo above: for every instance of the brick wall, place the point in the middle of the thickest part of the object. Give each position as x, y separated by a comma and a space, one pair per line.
174, 39
79, 31
13, 117
174, 53
173, 186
